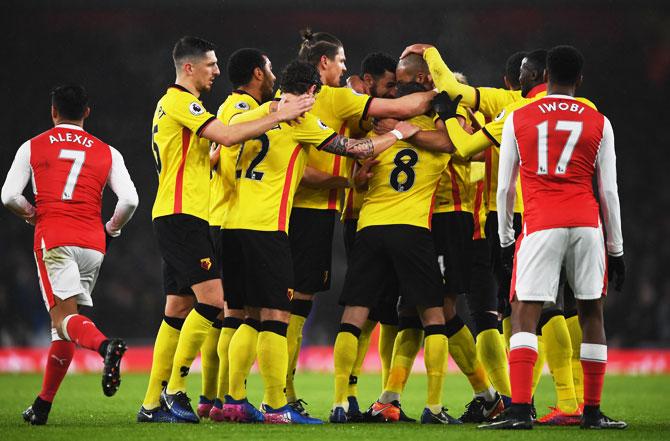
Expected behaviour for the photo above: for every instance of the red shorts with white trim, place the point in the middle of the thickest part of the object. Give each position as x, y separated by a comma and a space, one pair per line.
540, 255
68, 271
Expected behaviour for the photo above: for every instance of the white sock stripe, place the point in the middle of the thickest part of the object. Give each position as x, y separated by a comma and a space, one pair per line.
523, 340
54, 335
64, 326
593, 352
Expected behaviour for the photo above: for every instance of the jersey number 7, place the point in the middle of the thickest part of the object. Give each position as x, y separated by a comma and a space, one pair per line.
77, 157
575, 129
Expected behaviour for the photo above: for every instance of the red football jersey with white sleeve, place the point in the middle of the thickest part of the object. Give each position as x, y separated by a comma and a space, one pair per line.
70, 168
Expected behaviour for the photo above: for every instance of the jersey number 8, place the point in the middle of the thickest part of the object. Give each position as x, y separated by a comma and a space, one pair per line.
404, 160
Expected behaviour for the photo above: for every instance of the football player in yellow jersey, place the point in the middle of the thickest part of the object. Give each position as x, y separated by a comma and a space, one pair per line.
555, 331
181, 135
315, 210
260, 217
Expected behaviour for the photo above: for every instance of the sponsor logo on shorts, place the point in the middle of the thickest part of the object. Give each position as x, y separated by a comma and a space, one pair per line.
326, 274
184, 370
289, 293
206, 263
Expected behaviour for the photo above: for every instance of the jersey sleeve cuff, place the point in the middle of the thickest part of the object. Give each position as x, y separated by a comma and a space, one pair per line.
326, 141
366, 108
490, 137
477, 100
205, 124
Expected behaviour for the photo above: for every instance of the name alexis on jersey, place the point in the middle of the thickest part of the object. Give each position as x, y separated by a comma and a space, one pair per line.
71, 137
562, 106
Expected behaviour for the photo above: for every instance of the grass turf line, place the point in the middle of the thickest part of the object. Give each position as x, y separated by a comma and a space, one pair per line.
82, 413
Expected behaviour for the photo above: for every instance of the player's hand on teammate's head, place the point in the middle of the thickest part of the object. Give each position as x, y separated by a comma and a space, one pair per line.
290, 108
616, 269
407, 129
383, 125
445, 106
417, 48
507, 261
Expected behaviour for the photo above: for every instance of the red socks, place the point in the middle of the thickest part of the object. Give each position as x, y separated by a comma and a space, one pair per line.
58, 361
82, 331
594, 364
522, 357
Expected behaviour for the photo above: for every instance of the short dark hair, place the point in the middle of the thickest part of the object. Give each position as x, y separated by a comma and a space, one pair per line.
537, 60
377, 63
564, 65
316, 44
513, 68
189, 47
298, 77
242, 63
70, 101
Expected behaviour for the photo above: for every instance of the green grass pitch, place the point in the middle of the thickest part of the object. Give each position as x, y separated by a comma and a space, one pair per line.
82, 413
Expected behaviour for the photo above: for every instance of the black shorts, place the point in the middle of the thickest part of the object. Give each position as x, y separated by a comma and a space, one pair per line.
268, 275
452, 233
215, 234
383, 251
311, 236
187, 249
349, 227
482, 296
232, 269
493, 239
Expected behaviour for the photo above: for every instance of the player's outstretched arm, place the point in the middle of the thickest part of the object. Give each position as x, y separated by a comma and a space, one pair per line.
320, 180
368, 147
508, 170
401, 108
258, 121
465, 144
17, 179
120, 183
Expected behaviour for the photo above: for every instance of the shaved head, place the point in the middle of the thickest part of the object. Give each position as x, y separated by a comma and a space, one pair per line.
413, 64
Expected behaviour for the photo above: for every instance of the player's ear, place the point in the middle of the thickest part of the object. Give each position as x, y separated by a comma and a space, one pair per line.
368, 79
323, 61
579, 81
258, 73
545, 77
87, 112
311, 89
54, 113
187, 68
508, 85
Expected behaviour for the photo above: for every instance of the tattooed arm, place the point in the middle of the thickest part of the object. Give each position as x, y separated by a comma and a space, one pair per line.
368, 147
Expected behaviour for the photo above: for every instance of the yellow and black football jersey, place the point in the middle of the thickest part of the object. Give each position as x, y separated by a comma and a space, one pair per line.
335, 107
269, 171
479, 208
223, 175
403, 186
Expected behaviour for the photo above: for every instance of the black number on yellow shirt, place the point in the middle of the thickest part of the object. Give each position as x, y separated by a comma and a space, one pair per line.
157, 155
265, 146
404, 160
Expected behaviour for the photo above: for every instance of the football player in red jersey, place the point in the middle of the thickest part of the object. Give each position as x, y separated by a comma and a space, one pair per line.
559, 145
69, 169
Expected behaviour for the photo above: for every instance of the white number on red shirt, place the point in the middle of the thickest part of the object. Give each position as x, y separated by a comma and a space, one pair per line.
77, 157
575, 129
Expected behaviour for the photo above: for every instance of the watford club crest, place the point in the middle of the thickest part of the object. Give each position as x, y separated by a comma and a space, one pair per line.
206, 263
289, 293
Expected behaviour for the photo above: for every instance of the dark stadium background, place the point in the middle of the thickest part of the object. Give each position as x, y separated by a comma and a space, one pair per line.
121, 52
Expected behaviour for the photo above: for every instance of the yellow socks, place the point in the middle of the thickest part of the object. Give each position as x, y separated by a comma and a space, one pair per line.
273, 361
387, 335
299, 311
345, 357
193, 333
577, 372
559, 358
435, 357
230, 325
462, 349
241, 356
539, 364
491, 352
161, 365
406, 346
362, 350
210, 361
507, 331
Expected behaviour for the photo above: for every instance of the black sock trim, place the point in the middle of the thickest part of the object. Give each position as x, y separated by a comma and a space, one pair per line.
485, 321
218, 324
405, 322
434, 329
232, 322
353, 379
275, 326
210, 312
256, 324
348, 327
545, 317
570, 313
454, 325
102, 350
301, 307
175, 322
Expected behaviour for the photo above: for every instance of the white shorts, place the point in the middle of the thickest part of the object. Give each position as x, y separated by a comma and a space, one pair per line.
540, 256
66, 272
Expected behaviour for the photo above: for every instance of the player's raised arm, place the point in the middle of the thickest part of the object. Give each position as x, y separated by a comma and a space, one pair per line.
121, 184
258, 121
507, 175
401, 108
368, 147
17, 179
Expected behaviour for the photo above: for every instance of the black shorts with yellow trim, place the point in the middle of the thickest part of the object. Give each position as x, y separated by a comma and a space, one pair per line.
311, 236
268, 269
187, 249
452, 233
382, 253
232, 269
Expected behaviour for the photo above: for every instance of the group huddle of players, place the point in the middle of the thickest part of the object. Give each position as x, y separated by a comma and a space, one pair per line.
407, 157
